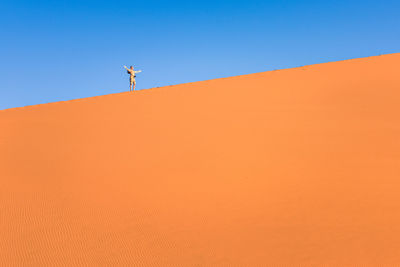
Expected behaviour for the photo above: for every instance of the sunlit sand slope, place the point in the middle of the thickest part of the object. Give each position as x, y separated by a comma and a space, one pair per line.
297, 167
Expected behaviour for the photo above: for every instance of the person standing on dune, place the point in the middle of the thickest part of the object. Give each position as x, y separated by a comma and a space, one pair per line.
132, 74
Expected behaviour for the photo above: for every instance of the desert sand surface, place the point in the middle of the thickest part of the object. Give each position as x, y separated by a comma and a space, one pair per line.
296, 167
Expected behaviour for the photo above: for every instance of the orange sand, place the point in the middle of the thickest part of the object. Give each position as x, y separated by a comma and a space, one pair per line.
297, 167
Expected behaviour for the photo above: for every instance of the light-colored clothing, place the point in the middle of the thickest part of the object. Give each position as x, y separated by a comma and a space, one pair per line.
132, 74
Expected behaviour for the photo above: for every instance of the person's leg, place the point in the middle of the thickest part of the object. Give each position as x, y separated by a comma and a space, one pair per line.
134, 85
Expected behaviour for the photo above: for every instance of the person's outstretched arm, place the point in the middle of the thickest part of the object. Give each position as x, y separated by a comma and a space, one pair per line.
125, 67
137, 71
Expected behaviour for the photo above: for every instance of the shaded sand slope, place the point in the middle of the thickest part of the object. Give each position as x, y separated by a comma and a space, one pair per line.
297, 167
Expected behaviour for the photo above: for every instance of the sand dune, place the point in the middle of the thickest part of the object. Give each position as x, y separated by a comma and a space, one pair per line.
297, 167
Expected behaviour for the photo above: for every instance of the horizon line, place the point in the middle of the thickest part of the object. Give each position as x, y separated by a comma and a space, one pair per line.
207, 80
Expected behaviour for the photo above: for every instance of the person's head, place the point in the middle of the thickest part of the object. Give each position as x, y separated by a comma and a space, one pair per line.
131, 67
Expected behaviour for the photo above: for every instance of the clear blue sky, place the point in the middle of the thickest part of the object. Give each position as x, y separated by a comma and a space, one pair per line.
60, 50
